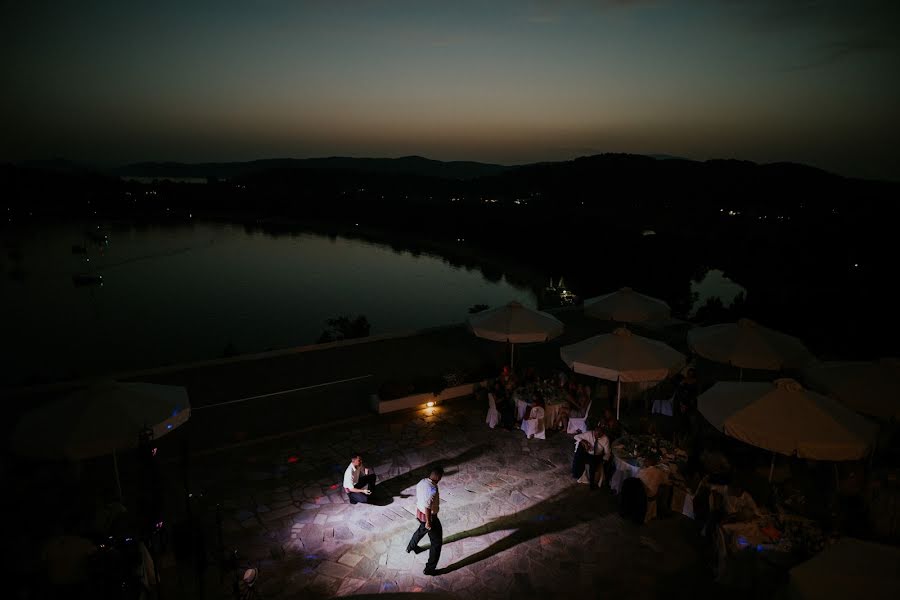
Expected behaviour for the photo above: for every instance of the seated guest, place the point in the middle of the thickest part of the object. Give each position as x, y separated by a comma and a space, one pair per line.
537, 400
591, 449
652, 476
358, 482
736, 503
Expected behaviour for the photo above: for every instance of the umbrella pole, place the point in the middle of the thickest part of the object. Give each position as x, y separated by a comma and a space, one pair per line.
772, 468
741, 374
618, 397
512, 357
116, 467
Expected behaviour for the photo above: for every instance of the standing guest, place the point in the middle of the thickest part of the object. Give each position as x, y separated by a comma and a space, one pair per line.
686, 392
505, 406
530, 376
428, 504
358, 482
591, 449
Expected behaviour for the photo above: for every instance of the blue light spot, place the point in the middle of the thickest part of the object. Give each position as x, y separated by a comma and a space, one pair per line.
169, 426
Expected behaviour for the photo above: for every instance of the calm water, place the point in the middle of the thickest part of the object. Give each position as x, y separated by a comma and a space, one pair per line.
175, 294
715, 284
180, 293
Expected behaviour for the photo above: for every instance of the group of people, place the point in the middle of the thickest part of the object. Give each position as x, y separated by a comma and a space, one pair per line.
503, 391
359, 485
592, 462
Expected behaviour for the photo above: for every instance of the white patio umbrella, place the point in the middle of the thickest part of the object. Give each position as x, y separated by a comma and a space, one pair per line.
622, 356
784, 418
871, 388
516, 324
100, 420
626, 306
748, 345
848, 568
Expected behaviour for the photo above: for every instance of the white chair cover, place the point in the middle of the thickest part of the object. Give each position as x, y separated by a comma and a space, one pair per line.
521, 409
663, 407
534, 427
579, 424
493, 415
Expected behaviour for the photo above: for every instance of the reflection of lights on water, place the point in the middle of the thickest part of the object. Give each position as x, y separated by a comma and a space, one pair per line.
429, 404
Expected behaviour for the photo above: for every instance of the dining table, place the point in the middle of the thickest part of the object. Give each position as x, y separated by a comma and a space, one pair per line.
630, 454
553, 396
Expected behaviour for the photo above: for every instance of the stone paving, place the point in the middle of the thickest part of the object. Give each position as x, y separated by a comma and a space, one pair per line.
514, 521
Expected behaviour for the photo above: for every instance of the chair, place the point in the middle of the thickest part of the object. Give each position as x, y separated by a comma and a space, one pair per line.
579, 424
534, 426
493, 415
633, 501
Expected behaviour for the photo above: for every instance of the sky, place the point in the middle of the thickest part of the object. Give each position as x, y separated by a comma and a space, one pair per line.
112, 82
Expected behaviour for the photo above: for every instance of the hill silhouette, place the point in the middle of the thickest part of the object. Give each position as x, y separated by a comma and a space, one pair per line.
407, 165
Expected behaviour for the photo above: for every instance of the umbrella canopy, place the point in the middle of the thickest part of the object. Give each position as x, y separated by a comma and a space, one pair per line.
626, 306
870, 388
516, 324
622, 356
98, 420
749, 346
787, 419
850, 568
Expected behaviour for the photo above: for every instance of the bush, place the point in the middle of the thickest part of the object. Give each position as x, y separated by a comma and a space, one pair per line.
345, 327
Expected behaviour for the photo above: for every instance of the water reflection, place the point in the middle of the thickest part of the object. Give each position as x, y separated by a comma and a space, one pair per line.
714, 284
180, 293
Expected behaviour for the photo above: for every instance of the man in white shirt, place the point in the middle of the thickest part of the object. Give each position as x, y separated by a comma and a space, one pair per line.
428, 503
591, 449
358, 482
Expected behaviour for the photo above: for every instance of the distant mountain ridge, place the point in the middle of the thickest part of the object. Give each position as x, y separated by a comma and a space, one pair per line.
607, 167
407, 165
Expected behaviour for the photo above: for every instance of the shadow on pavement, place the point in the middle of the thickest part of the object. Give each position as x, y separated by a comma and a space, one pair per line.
561, 511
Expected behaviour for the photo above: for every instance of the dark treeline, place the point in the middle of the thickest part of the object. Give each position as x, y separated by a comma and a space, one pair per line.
814, 250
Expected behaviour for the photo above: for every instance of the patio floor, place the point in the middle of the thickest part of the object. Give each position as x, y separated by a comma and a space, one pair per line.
514, 521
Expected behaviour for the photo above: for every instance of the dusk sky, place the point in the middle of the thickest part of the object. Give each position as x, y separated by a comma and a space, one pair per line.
111, 82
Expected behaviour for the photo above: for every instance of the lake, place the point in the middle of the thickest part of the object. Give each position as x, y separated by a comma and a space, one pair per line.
179, 293
173, 294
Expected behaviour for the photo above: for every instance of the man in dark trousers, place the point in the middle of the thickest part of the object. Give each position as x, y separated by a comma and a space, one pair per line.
358, 482
592, 450
428, 503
